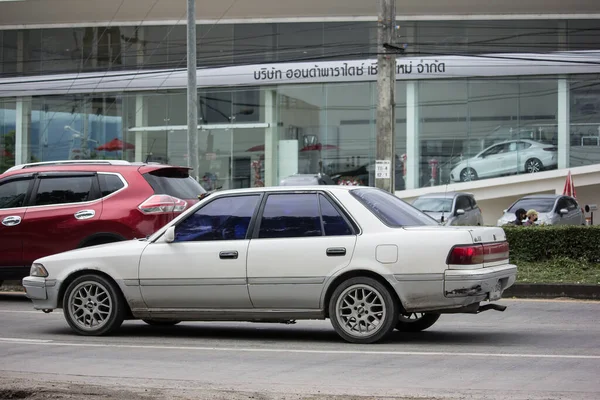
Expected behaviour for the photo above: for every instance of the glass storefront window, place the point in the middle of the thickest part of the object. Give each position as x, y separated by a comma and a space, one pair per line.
7, 134
478, 129
584, 120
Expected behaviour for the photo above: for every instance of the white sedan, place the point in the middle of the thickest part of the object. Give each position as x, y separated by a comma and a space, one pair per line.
507, 158
359, 256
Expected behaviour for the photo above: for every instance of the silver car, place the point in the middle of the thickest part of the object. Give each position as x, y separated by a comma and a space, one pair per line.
452, 208
552, 209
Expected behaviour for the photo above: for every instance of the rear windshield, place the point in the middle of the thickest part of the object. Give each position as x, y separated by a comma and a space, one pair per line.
391, 210
539, 205
174, 182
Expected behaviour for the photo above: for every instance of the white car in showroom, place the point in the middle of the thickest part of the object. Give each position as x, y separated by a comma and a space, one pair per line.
507, 158
359, 256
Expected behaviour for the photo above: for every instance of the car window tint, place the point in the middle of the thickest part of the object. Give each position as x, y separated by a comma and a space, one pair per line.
333, 222
64, 190
473, 202
572, 205
109, 184
13, 193
390, 209
562, 203
291, 215
463, 203
226, 218
174, 182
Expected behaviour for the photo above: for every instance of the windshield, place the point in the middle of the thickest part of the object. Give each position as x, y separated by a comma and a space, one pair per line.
391, 210
433, 204
539, 205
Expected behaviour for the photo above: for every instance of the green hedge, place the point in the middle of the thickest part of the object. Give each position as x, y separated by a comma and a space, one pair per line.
549, 243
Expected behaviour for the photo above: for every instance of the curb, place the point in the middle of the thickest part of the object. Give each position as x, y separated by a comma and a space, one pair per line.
553, 290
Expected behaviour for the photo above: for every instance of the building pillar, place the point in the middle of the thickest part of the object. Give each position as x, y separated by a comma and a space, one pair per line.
23, 121
141, 119
564, 122
270, 162
412, 135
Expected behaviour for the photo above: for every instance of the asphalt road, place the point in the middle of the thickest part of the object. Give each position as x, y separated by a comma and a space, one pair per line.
534, 350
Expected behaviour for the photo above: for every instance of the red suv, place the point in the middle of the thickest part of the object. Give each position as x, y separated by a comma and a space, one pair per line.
48, 208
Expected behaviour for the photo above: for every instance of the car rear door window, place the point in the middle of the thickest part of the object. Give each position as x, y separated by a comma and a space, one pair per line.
334, 223
225, 218
291, 215
13, 193
109, 184
64, 190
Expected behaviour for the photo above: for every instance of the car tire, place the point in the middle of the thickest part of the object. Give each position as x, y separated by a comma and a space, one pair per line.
161, 322
468, 175
533, 165
93, 305
359, 303
416, 322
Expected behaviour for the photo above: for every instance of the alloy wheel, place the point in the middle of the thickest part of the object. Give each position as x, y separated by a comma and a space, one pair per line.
90, 305
361, 310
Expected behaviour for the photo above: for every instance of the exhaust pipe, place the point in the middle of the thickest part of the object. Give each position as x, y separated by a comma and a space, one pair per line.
491, 306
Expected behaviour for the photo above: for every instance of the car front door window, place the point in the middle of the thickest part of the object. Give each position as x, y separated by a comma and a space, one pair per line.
13, 194
226, 218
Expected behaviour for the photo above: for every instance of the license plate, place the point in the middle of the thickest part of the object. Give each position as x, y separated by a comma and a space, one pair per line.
496, 294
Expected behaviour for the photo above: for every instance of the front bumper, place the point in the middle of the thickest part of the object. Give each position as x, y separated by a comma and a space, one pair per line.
42, 292
490, 282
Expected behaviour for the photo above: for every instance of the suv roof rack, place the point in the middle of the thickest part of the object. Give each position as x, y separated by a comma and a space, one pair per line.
69, 162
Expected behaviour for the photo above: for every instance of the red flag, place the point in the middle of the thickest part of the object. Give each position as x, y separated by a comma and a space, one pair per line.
569, 189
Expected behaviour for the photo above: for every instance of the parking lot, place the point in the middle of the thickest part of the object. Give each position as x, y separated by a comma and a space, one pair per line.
535, 349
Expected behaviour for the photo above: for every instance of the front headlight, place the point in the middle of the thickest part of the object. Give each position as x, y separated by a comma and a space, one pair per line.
38, 270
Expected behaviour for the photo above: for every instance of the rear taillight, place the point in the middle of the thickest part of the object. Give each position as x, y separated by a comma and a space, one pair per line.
550, 148
162, 203
478, 254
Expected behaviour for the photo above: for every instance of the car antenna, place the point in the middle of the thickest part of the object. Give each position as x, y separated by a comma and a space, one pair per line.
447, 183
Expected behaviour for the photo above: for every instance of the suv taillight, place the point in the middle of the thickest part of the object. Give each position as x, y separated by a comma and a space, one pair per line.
478, 254
162, 203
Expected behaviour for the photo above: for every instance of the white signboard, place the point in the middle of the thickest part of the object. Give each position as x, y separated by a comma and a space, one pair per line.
383, 169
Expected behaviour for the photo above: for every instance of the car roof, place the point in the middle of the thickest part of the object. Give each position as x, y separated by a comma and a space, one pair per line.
84, 166
542, 196
305, 188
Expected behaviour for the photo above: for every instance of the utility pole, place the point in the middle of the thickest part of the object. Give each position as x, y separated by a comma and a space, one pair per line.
192, 92
386, 84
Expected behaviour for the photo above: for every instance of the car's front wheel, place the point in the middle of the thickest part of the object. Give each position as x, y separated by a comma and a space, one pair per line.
161, 322
362, 310
93, 305
468, 175
416, 322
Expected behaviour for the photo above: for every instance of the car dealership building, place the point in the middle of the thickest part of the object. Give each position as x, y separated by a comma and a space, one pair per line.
484, 91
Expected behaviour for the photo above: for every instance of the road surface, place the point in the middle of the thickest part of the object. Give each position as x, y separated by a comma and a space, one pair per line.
534, 350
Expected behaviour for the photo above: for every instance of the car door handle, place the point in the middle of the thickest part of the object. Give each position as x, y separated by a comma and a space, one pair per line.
85, 214
336, 251
228, 255
11, 221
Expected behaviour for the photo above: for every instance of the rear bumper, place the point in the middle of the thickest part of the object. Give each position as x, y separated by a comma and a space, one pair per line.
490, 282
42, 292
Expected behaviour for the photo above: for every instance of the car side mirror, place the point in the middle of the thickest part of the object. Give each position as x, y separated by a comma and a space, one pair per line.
170, 234
460, 211
563, 211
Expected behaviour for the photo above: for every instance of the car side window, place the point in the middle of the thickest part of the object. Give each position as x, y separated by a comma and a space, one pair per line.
562, 203
524, 145
109, 184
473, 203
64, 190
334, 223
572, 205
290, 215
14, 193
463, 203
493, 150
225, 218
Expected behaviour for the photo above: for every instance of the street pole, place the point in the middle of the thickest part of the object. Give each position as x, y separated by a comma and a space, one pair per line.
386, 83
192, 93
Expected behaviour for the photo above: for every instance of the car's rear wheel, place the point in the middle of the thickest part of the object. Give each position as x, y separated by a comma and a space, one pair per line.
468, 175
362, 310
93, 305
533, 165
416, 322
161, 322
